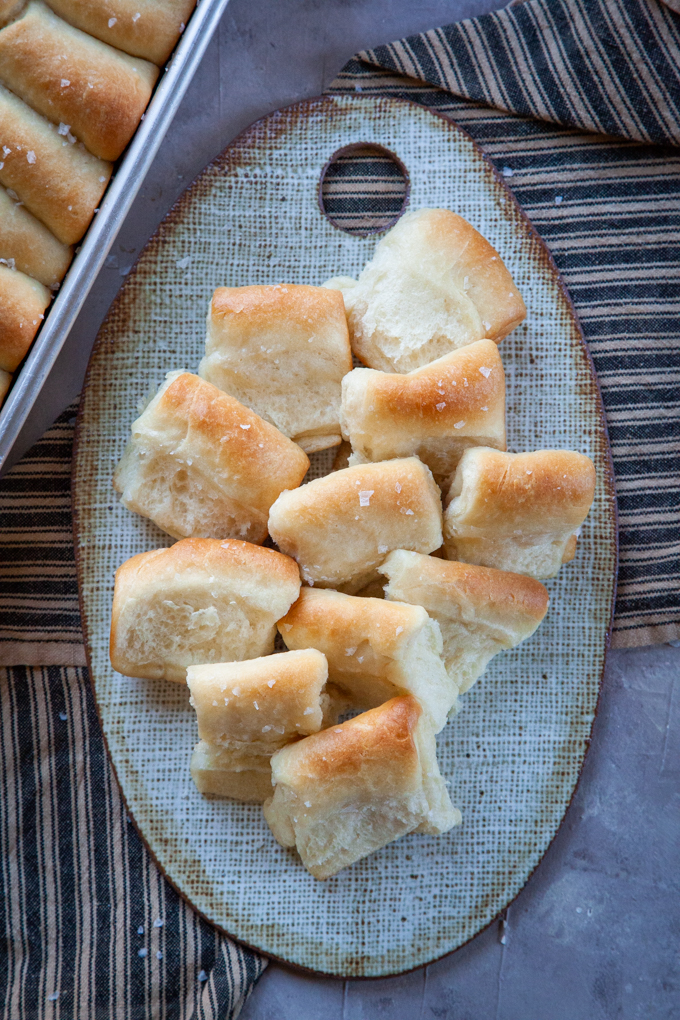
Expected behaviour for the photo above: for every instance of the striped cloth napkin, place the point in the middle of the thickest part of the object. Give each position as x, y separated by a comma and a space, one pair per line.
576, 102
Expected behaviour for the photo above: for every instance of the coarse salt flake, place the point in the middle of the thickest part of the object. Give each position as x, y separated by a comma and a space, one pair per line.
458, 424
136, 17
440, 407
365, 496
399, 630
484, 408
65, 83
350, 651
558, 200
30, 156
183, 263
142, 952
270, 683
397, 487
158, 923
308, 803
382, 549
244, 427
112, 22
308, 710
508, 171
486, 372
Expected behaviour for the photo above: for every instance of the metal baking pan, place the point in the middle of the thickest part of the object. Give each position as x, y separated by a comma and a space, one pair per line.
94, 247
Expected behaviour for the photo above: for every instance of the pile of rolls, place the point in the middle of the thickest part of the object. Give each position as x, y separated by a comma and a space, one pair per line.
75, 79
392, 581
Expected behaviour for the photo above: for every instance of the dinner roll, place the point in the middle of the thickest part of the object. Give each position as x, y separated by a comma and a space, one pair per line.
480, 611
27, 245
22, 305
60, 183
94, 92
144, 28
283, 351
434, 284
434, 412
200, 601
376, 650
5, 383
201, 464
340, 528
345, 792
518, 511
248, 710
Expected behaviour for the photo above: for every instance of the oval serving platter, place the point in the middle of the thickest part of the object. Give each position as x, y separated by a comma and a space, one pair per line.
514, 752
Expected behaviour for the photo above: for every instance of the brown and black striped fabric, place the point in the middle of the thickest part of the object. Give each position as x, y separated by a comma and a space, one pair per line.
91, 930
533, 84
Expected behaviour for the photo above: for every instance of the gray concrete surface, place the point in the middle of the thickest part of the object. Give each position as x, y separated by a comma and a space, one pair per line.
594, 935
266, 54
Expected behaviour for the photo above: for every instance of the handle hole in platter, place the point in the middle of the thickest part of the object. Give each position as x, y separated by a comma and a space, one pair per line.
364, 189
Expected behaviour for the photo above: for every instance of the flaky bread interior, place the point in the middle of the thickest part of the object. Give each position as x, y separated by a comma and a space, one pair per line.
200, 601
217, 774
201, 464
347, 791
283, 351
376, 650
107, 91
22, 305
480, 611
434, 412
341, 527
518, 511
434, 284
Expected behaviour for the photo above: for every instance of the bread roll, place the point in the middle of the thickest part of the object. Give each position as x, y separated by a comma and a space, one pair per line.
434, 284
433, 413
27, 245
22, 305
340, 528
5, 383
248, 710
376, 650
200, 601
345, 792
283, 351
144, 28
201, 464
518, 511
59, 182
480, 611
106, 91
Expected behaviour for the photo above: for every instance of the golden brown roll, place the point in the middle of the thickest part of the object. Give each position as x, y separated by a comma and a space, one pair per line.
144, 28
480, 611
341, 527
283, 351
201, 464
434, 284
94, 92
248, 710
518, 511
347, 791
5, 383
200, 601
27, 245
376, 650
433, 413
58, 182
22, 305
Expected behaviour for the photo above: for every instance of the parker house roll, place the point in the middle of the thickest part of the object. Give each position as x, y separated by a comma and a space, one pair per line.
283, 351
375, 649
345, 792
59, 182
518, 511
143, 28
22, 305
96, 93
480, 611
340, 528
434, 284
201, 464
200, 601
248, 710
27, 245
434, 412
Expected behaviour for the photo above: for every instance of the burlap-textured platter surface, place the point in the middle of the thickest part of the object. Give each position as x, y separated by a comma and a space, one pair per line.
514, 753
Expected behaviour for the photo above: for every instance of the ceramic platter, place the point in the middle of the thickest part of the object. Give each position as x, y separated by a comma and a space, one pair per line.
514, 752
